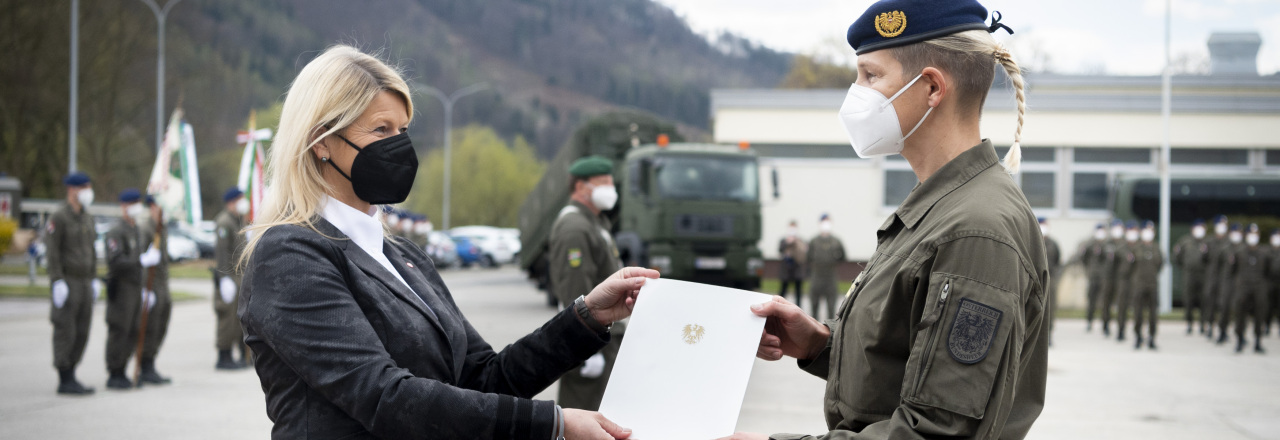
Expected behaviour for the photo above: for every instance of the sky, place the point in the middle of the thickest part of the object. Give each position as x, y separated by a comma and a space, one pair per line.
1118, 37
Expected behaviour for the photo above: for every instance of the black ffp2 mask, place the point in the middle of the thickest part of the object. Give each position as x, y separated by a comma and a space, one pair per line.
383, 171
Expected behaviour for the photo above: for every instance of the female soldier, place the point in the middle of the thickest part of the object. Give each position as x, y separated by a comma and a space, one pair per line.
944, 334
355, 334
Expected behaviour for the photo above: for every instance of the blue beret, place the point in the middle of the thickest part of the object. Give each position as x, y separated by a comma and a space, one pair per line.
1100, 226
824, 216
76, 179
1275, 231
1117, 222
1148, 224
1132, 224
1236, 227
1198, 222
231, 194
1253, 228
1219, 218
130, 195
893, 23
591, 166
149, 200
1041, 220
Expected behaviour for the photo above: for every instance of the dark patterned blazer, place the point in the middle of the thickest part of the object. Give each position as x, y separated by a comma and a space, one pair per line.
345, 351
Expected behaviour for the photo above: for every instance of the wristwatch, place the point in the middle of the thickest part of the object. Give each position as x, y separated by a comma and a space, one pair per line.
580, 306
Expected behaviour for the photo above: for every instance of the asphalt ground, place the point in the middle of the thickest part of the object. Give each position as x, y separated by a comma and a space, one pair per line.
1097, 388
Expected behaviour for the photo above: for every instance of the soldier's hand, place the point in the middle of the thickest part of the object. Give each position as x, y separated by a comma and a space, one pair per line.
613, 299
789, 331
745, 436
591, 425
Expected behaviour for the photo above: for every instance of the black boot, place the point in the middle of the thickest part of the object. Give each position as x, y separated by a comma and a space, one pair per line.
1257, 347
67, 384
1240, 345
150, 375
1088, 327
1120, 335
1137, 342
1106, 332
1222, 339
226, 363
118, 381
1152, 343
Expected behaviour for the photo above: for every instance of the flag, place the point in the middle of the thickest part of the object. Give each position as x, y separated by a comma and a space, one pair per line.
175, 179
251, 165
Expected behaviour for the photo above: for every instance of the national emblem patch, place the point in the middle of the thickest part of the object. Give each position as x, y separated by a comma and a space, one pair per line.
891, 24
973, 332
575, 257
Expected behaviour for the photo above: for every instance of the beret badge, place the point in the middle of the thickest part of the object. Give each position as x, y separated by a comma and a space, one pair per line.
891, 24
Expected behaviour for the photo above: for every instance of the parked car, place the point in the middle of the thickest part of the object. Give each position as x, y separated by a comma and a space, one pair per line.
205, 242
468, 253
494, 248
180, 248
512, 237
441, 249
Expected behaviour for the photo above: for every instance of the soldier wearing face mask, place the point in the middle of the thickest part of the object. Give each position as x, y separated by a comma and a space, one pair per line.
1125, 265
1212, 293
826, 252
1250, 302
1143, 282
583, 254
230, 223
1111, 273
793, 252
126, 259
1227, 281
1191, 256
72, 266
1092, 255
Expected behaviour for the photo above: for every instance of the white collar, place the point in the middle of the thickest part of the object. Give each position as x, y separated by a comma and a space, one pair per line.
363, 228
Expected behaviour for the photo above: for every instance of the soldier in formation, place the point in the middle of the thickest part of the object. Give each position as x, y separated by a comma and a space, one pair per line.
1212, 292
230, 226
1110, 273
1092, 255
72, 267
584, 254
1250, 263
1191, 257
826, 252
126, 261
156, 302
1145, 260
793, 251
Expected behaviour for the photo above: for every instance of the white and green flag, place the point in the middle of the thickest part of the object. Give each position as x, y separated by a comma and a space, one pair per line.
175, 179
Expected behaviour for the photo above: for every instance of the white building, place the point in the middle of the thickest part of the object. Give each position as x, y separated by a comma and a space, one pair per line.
1081, 132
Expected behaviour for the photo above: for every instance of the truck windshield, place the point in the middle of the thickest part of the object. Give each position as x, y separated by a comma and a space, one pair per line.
707, 178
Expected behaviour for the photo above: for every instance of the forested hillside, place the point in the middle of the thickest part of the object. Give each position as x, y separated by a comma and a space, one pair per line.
549, 64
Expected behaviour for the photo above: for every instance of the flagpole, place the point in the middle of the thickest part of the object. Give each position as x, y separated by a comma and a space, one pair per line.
75, 86
1166, 111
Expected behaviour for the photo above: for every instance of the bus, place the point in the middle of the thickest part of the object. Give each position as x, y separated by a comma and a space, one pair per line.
1243, 198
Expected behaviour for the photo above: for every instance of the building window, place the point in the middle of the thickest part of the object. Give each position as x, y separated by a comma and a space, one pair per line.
1208, 156
1038, 186
1273, 158
1113, 155
1031, 154
1089, 190
898, 185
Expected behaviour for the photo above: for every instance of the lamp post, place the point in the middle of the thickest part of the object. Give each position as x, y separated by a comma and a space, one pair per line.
448, 100
75, 86
1166, 110
161, 14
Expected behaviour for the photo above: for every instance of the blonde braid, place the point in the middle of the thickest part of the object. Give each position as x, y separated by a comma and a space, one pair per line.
1013, 158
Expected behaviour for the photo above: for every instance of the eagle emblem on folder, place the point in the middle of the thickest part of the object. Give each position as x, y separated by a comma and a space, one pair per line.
693, 333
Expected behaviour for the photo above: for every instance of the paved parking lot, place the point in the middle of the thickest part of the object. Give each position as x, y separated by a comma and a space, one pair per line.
1098, 389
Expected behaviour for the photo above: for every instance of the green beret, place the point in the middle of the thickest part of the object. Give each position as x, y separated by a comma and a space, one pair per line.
591, 166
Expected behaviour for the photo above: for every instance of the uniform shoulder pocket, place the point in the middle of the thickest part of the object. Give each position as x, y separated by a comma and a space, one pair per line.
961, 345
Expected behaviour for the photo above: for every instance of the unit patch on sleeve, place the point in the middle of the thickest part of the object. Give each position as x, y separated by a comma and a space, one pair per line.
973, 332
575, 257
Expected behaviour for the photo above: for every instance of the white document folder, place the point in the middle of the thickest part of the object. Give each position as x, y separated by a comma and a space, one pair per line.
683, 367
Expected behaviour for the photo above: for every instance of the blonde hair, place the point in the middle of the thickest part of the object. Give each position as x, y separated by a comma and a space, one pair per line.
968, 56
330, 93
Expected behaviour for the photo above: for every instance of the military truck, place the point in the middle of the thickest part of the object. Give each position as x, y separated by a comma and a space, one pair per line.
691, 211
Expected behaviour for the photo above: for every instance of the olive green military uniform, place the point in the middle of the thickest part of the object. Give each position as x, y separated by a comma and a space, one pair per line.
124, 293
1053, 257
227, 253
944, 334
1123, 286
1212, 285
158, 315
1111, 285
1146, 261
826, 252
1273, 280
1227, 283
1250, 301
583, 254
1093, 257
71, 257
1191, 256
794, 254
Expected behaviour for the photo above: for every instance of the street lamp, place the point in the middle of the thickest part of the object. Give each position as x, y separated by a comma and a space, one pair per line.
161, 13
73, 126
447, 100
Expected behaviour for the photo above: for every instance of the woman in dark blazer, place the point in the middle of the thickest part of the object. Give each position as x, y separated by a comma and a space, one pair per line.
355, 334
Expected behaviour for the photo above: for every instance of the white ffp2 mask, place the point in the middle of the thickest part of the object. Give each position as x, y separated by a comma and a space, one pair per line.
85, 197
242, 206
872, 123
604, 197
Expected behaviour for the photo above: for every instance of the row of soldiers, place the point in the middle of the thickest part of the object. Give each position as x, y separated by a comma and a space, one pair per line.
137, 286
408, 225
819, 258
1228, 278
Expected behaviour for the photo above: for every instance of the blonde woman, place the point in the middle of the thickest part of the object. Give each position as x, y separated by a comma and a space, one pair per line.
355, 334
944, 334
